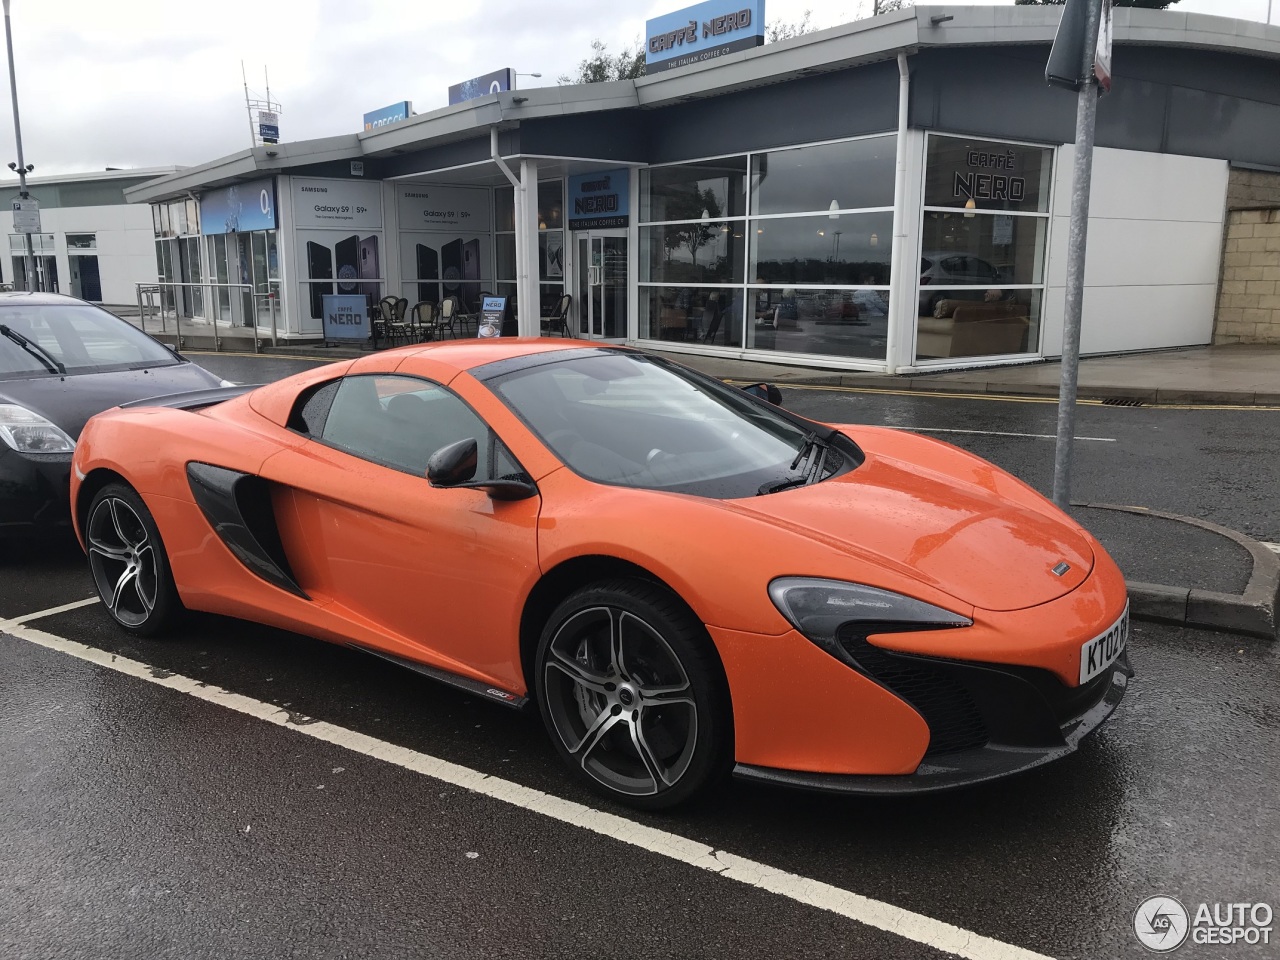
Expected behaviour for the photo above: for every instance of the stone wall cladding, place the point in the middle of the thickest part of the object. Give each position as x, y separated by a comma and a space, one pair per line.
1249, 292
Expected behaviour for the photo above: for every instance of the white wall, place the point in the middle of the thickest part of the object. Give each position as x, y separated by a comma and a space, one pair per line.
126, 245
1154, 251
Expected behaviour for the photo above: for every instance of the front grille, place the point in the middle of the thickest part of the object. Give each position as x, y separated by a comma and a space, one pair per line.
955, 723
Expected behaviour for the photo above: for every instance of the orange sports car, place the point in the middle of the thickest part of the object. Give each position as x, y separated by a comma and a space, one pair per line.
685, 579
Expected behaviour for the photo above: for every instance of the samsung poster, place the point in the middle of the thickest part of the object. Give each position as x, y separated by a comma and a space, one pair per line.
445, 246
340, 204
431, 207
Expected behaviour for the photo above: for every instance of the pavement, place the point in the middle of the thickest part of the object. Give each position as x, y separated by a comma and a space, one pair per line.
1201, 574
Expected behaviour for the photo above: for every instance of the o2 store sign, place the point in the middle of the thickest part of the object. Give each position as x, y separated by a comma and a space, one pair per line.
702, 32
240, 208
496, 82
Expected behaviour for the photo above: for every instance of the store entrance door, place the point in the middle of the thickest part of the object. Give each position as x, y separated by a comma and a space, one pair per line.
600, 286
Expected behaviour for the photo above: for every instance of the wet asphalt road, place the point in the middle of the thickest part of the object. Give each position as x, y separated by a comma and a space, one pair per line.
125, 804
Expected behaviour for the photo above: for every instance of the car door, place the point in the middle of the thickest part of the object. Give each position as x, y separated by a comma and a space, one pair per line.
441, 573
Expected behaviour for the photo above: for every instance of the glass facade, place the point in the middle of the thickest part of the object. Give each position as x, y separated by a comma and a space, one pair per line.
787, 250
982, 250
551, 252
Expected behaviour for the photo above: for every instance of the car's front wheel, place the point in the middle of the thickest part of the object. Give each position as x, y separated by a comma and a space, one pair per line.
633, 694
128, 562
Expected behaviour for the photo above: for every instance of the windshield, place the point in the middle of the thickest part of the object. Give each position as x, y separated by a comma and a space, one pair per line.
75, 337
631, 420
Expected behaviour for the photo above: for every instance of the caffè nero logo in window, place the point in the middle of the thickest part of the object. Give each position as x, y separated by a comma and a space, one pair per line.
984, 180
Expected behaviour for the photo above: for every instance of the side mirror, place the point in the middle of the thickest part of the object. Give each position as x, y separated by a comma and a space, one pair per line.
453, 466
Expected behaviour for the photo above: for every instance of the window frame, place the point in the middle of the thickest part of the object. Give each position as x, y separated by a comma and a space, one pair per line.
492, 441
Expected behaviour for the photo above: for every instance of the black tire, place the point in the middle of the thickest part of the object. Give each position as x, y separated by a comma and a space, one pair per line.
633, 694
128, 562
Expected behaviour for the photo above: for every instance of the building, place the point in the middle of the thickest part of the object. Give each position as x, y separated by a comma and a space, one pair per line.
891, 194
94, 245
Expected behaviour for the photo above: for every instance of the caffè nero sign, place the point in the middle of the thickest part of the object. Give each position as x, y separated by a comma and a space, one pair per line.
989, 176
702, 33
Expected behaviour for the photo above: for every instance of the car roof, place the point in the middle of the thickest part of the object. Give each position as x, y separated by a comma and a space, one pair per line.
13, 298
469, 354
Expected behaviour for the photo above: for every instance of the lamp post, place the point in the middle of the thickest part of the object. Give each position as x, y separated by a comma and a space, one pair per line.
21, 166
515, 78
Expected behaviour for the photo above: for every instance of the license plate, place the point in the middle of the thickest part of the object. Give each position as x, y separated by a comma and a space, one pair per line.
1103, 650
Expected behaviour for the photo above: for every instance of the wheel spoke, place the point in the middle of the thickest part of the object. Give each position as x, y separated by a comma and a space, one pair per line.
130, 576
647, 757
148, 603
616, 658
578, 673
595, 733
666, 696
108, 551
114, 506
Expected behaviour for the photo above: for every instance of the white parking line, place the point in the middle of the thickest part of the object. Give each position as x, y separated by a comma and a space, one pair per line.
997, 433
873, 913
27, 617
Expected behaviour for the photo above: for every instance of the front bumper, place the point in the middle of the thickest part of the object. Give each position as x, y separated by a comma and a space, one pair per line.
1024, 716
35, 491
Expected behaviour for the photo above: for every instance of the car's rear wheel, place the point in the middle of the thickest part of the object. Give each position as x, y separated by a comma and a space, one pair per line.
633, 694
128, 562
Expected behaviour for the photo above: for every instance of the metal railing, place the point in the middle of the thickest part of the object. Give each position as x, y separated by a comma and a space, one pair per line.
159, 301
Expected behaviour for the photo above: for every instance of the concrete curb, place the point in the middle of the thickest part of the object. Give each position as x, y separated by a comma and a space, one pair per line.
1252, 613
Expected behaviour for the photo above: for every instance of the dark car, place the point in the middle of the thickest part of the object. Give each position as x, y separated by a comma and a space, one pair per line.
61, 361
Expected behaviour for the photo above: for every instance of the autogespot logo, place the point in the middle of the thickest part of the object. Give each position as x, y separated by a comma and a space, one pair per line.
1161, 924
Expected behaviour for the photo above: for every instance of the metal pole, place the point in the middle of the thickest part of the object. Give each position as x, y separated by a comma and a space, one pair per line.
29, 263
142, 317
272, 306
1086, 120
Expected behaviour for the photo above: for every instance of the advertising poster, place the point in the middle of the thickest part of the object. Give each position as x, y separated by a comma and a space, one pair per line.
240, 208
345, 318
347, 204
445, 247
492, 313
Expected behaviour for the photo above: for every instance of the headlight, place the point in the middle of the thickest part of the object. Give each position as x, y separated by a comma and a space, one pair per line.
819, 608
28, 432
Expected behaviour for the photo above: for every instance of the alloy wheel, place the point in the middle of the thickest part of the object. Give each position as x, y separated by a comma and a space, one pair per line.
123, 560
620, 701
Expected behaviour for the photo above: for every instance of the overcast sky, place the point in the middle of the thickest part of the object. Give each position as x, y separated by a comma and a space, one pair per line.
138, 83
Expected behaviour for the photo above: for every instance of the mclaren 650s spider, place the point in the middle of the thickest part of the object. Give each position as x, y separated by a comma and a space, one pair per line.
683, 579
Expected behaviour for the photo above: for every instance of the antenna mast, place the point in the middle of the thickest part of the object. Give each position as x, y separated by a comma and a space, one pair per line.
264, 114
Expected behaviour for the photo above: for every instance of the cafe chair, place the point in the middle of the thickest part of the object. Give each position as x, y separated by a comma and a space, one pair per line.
449, 314
559, 319
424, 321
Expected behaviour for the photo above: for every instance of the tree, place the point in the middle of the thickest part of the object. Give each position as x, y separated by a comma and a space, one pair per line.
778, 30
602, 66
1145, 4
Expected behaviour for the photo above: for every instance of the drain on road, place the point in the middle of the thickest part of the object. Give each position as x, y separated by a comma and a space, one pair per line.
1122, 402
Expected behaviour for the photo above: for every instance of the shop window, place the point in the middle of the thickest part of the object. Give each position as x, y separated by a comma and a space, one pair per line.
982, 253
848, 175
684, 191
711, 315
993, 175
82, 241
701, 252
852, 249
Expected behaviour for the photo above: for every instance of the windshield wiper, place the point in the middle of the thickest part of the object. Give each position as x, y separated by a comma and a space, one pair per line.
37, 351
815, 450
